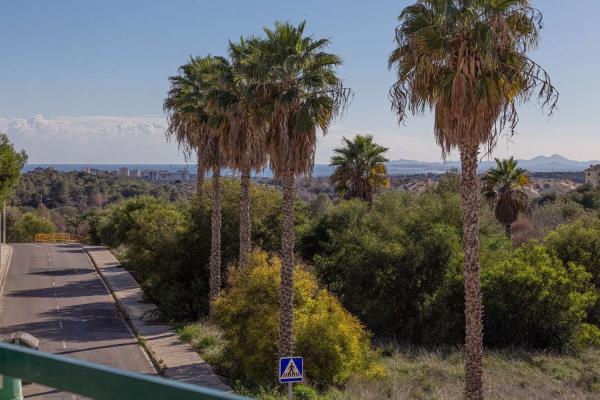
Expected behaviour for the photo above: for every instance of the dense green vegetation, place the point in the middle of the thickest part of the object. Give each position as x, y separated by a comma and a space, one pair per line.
11, 164
83, 191
47, 200
396, 266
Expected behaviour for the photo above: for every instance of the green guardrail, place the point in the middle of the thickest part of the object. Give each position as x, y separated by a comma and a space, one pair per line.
91, 380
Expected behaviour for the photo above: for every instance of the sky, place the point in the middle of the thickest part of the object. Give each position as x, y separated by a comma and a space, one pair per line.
84, 81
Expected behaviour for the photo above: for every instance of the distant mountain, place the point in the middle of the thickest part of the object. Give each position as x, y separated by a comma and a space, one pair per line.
553, 163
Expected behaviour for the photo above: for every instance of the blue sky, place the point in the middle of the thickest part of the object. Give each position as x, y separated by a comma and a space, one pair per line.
83, 81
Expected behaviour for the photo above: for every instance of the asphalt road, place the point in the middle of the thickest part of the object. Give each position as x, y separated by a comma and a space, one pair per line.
54, 293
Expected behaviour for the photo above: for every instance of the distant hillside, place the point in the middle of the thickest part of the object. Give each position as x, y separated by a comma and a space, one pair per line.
553, 163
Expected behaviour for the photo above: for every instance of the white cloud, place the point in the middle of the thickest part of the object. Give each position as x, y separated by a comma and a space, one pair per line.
93, 139
141, 139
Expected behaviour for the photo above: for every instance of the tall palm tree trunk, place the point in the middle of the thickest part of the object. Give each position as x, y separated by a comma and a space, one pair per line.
287, 268
215, 246
473, 299
199, 178
245, 223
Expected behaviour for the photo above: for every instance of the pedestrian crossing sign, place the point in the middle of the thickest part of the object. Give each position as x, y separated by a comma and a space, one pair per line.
290, 369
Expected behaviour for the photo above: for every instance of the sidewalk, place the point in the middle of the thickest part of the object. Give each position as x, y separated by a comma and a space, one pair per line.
176, 358
5, 255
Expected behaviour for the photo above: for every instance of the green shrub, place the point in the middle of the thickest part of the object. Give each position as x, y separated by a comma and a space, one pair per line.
169, 243
333, 343
579, 243
207, 339
530, 299
586, 195
304, 392
586, 336
25, 229
533, 300
385, 262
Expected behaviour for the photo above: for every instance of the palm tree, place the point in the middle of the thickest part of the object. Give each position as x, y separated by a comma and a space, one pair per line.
238, 96
504, 186
196, 124
304, 94
467, 60
360, 170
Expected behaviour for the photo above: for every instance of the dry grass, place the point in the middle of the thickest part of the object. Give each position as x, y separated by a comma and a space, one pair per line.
508, 375
438, 375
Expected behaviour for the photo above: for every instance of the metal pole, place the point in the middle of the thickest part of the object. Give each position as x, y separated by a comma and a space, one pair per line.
11, 388
290, 391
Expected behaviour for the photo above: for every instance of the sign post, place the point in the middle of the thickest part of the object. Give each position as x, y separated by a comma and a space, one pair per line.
291, 369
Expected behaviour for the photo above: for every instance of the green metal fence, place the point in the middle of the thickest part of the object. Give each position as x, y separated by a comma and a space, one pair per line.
92, 380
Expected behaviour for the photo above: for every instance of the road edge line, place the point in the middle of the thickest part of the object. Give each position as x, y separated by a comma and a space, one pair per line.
126, 320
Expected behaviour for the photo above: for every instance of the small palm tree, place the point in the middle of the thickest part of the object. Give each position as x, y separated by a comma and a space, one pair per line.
503, 186
197, 125
360, 170
299, 82
467, 60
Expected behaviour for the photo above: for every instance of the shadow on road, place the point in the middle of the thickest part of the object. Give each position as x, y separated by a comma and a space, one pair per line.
83, 288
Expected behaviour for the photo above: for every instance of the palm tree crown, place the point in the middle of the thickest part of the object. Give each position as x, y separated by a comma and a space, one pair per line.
304, 91
503, 185
193, 120
360, 168
468, 60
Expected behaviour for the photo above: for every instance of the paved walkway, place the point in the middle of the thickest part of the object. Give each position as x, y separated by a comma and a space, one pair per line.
176, 358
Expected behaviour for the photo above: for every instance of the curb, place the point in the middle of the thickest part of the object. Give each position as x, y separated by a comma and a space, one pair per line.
139, 339
171, 357
4, 269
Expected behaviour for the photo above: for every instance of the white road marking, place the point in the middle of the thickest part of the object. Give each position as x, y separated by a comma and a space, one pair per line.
64, 345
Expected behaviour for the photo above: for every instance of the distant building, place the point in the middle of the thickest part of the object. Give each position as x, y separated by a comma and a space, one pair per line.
592, 175
123, 171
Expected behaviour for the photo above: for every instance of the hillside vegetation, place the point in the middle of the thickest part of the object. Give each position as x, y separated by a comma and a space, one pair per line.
395, 266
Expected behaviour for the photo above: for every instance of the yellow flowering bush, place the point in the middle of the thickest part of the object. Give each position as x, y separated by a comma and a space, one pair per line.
333, 342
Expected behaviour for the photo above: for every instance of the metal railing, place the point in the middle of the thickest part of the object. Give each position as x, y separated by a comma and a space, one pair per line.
59, 237
91, 380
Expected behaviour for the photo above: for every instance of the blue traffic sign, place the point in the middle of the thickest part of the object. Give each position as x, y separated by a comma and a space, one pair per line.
290, 369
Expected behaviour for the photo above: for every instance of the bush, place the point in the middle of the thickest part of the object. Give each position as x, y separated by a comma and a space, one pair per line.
444, 311
586, 195
207, 339
162, 251
333, 343
385, 262
530, 299
533, 300
25, 229
553, 214
169, 243
579, 243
